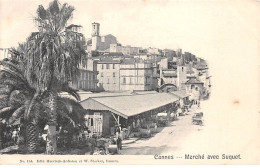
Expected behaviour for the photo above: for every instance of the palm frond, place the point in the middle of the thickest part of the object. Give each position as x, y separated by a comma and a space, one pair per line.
5, 90
10, 65
16, 75
16, 114
72, 92
32, 103
16, 98
6, 109
65, 115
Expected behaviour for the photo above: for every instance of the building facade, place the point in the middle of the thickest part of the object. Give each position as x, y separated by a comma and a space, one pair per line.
137, 75
87, 79
108, 75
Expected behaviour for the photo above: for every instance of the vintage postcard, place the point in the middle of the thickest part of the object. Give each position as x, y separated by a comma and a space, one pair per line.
111, 82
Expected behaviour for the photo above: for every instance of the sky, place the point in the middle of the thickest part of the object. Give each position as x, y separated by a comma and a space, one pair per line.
224, 32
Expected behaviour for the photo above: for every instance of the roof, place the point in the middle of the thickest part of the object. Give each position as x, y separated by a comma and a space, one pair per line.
190, 72
73, 25
193, 81
131, 105
114, 53
180, 93
108, 60
144, 92
85, 95
169, 74
201, 67
128, 61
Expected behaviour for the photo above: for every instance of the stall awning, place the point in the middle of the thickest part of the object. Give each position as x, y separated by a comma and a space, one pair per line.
129, 105
180, 93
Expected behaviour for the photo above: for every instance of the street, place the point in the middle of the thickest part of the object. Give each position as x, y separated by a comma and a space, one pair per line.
169, 139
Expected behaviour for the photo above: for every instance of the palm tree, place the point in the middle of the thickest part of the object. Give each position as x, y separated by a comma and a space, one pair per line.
52, 61
17, 96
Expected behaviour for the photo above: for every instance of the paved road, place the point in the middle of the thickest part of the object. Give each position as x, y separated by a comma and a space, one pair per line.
169, 139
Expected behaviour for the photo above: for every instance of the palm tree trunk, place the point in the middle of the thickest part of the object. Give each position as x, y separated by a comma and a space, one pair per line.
32, 137
51, 146
1, 135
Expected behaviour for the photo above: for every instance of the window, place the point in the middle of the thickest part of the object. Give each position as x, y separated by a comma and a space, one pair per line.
124, 80
102, 66
107, 66
130, 80
107, 80
114, 74
101, 74
182, 69
113, 66
91, 122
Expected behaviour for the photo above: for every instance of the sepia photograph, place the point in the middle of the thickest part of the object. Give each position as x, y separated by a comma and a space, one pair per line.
129, 82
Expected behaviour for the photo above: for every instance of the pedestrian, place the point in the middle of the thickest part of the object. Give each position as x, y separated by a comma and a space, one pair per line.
118, 142
179, 111
118, 138
172, 116
14, 135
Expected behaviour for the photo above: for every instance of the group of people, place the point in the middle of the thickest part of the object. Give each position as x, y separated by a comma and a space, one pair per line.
10, 135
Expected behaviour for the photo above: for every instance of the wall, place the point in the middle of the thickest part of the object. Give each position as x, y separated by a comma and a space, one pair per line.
105, 42
87, 81
107, 81
199, 86
138, 76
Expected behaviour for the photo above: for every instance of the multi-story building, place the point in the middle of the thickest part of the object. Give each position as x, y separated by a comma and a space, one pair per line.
176, 76
125, 50
154, 51
108, 75
136, 74
87, 79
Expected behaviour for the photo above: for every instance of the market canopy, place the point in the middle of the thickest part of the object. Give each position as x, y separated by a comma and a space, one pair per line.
180, 93
129, 105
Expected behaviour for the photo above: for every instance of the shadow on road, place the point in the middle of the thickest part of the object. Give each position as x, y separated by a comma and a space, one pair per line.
148, 150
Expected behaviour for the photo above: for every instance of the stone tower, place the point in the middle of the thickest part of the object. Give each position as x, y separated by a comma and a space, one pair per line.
181, 77
96, 39
95, 29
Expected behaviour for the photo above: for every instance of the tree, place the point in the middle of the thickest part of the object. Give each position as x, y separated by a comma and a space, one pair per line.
53, 58
16, 96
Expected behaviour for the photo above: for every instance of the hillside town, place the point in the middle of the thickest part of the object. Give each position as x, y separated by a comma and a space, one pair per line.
125, 94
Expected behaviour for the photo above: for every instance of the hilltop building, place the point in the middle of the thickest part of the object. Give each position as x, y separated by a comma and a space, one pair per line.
99, 43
